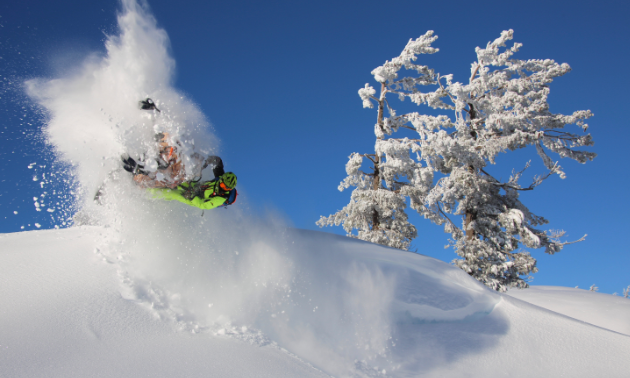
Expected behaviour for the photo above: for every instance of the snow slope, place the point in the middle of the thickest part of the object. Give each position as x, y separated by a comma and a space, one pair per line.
62, 315
362, 310
599, 309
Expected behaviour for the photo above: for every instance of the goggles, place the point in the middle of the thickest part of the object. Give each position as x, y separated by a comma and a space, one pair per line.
224, 187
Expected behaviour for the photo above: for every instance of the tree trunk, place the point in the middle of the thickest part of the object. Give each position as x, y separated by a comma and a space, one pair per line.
377, 180
470, 214
377, 173
470, 234
381, 108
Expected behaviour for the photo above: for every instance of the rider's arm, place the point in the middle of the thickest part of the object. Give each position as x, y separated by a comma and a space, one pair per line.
216, 161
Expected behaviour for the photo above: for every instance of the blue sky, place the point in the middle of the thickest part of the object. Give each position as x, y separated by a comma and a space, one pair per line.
279, 79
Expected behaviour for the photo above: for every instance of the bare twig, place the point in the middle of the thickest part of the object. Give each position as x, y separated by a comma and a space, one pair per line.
472, 77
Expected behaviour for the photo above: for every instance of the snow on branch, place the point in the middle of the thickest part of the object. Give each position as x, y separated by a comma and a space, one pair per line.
422, 45
367, 94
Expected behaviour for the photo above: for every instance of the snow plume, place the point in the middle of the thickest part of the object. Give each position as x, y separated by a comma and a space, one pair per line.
226, 272
93, 112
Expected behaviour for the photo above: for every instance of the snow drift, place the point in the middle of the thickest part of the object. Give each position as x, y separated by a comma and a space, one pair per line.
340, 306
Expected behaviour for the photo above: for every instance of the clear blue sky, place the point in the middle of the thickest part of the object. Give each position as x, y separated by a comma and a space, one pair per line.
279, 80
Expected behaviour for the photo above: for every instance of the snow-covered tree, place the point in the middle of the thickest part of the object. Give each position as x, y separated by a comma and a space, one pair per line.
626, 292
594, 288
442, 170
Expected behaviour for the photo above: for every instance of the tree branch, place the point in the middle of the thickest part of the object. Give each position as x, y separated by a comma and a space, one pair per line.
440, 84
408, 127
400, 139
367, 174
446, 216
474, 73
537, 180
369, 156
488, 174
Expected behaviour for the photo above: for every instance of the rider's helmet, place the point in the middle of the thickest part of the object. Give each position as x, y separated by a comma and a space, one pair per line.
229, 180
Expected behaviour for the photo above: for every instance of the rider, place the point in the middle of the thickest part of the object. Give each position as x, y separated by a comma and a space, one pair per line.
206, 195
168, 181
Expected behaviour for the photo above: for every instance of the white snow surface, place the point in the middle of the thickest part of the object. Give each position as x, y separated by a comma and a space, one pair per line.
63, 315
346, 308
